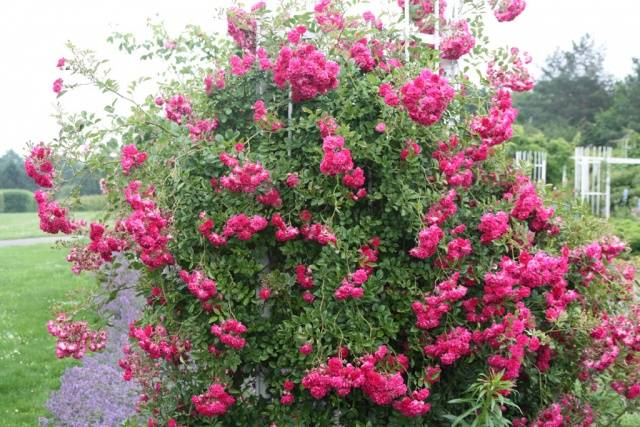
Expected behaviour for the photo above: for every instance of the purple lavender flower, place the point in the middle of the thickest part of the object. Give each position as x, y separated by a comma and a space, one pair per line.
94, 394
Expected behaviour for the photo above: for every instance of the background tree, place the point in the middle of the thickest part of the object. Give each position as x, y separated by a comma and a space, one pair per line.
572, 90
624, 113
12, 173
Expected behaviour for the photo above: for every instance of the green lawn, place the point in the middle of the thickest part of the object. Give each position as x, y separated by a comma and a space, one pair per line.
24, 225
32, 280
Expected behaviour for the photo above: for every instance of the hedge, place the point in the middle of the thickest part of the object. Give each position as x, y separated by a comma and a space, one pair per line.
14, 200
17, 201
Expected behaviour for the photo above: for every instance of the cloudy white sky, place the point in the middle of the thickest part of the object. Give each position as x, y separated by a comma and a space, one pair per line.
34, 33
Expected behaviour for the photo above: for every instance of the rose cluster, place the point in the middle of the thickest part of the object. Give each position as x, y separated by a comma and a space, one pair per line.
284, 232
215, 401
199, 285
328, 16
177, 108
242, 65
426, 97
568, 411
147, 226
507, 10
157, 343
245, 178
139, 366
307, 71
428, 240
529, 207
513, 74
456, 41
616, 341
495, 128
54, 218
103, 242
75, 338
362, 56
429, 313
380, 387
249, 178
242, 27
228, 332
201, 130
39, 167
131, 158
493, 226
318, 232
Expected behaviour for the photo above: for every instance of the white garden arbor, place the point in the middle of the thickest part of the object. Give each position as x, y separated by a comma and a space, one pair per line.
592, 176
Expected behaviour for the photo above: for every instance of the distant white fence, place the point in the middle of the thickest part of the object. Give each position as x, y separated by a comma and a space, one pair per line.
537, 161
590, 183
592, 178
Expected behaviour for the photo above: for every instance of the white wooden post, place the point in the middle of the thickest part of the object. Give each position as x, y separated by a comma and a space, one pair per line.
577, 170
289, 115
589, 180
595, 181
450, 67
407, 28
607, 205
584, 178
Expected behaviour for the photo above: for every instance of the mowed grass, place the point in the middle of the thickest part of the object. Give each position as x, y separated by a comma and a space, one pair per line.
27, 224
32, 280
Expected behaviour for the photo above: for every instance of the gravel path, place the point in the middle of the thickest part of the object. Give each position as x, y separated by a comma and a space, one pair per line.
31, 241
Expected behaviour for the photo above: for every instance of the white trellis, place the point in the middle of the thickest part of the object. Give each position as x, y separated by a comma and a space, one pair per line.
537, 161
592, 179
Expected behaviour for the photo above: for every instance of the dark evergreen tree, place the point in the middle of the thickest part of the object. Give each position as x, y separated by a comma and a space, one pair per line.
571, 92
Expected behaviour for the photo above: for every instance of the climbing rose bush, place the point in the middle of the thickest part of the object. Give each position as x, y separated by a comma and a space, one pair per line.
328, 232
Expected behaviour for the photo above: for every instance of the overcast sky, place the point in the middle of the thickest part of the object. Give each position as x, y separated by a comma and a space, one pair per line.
34, 34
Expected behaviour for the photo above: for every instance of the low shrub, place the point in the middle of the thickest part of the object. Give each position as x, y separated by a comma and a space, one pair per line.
17, 201
629, 229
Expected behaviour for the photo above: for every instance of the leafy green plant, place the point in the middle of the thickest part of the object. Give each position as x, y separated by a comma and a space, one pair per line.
487, 401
